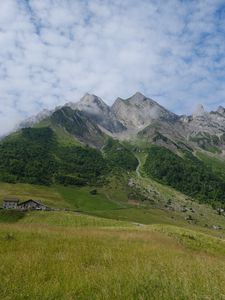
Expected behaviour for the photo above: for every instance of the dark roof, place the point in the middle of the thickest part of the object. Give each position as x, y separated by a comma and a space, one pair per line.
31, 200
10, 199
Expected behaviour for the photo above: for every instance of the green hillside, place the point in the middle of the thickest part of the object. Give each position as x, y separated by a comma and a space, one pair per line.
113, 201
187, 174
50, 155
117, 155
36, 156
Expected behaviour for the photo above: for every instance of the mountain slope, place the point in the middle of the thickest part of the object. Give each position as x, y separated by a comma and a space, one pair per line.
78, 125
187, 174
35, 155
116, 136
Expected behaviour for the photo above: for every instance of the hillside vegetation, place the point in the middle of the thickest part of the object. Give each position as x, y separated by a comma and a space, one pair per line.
118, 155
35, 156
50, 156
187, 174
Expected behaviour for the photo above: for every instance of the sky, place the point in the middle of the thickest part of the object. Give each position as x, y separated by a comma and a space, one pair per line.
54, 51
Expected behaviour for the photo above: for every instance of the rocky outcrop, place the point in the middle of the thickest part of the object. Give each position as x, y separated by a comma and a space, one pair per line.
138, 111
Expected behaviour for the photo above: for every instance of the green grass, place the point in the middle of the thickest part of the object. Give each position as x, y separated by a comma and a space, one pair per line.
11, 216
48, 195
81, 198
139, 215
64, 255
65, 138
111, 202
59, 196
116, 189
68, 219
216, 163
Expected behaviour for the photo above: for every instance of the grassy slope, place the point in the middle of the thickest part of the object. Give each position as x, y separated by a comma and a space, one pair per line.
64, 255
111, 203
59, 196
76, 256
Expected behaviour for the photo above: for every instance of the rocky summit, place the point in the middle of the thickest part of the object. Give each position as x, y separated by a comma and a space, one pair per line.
86, 143
138, 117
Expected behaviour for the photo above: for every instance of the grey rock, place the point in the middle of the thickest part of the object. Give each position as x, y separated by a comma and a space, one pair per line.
138, 111
142, 117
99, 111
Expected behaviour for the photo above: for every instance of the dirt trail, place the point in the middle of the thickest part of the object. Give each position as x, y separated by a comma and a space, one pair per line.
138, 167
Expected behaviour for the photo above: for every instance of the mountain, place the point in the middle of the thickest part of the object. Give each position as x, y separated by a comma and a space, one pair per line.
139, 111
78, 124
206, 129
143, 118
87, 142
91, 120
97, 110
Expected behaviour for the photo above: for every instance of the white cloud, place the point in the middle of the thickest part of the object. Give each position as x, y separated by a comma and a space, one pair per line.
54, 51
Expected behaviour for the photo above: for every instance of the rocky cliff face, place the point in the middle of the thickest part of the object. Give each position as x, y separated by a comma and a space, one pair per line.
138, 111
79, 125
206, 128
138, 117
211, 122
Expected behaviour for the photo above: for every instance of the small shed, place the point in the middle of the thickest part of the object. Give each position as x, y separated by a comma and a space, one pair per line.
10, 203
32, 204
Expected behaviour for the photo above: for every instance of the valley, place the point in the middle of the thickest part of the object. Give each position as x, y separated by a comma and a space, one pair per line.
138, 203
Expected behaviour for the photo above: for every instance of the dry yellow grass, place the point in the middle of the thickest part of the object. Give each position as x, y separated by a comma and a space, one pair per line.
104, 259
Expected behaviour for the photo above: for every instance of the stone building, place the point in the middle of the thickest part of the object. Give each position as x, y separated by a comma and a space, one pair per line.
32, 204
13, 203
10, 203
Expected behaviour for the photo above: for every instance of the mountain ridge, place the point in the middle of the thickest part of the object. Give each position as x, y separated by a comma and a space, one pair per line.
89, 141
140, 117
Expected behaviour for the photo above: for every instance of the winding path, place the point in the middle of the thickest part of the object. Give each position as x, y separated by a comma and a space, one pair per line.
138, 167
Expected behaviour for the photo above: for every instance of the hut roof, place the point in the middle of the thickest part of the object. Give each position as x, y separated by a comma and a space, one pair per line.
31, 200
11, 199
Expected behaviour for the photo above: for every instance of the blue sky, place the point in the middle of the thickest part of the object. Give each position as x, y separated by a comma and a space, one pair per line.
54, 51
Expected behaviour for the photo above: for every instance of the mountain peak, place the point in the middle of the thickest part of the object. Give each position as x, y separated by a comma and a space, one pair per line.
221, 110
90, 103
96, 109
199, 111
90, 98
139, 111
135, 98
138, 95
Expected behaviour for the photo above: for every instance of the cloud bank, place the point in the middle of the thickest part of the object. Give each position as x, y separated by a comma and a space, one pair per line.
53, 51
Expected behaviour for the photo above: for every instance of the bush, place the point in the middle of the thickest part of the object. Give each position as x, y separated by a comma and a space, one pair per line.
93, 192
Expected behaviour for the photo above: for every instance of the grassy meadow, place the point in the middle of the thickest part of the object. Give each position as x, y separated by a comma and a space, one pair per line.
59, 196
104, 247
67, 255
